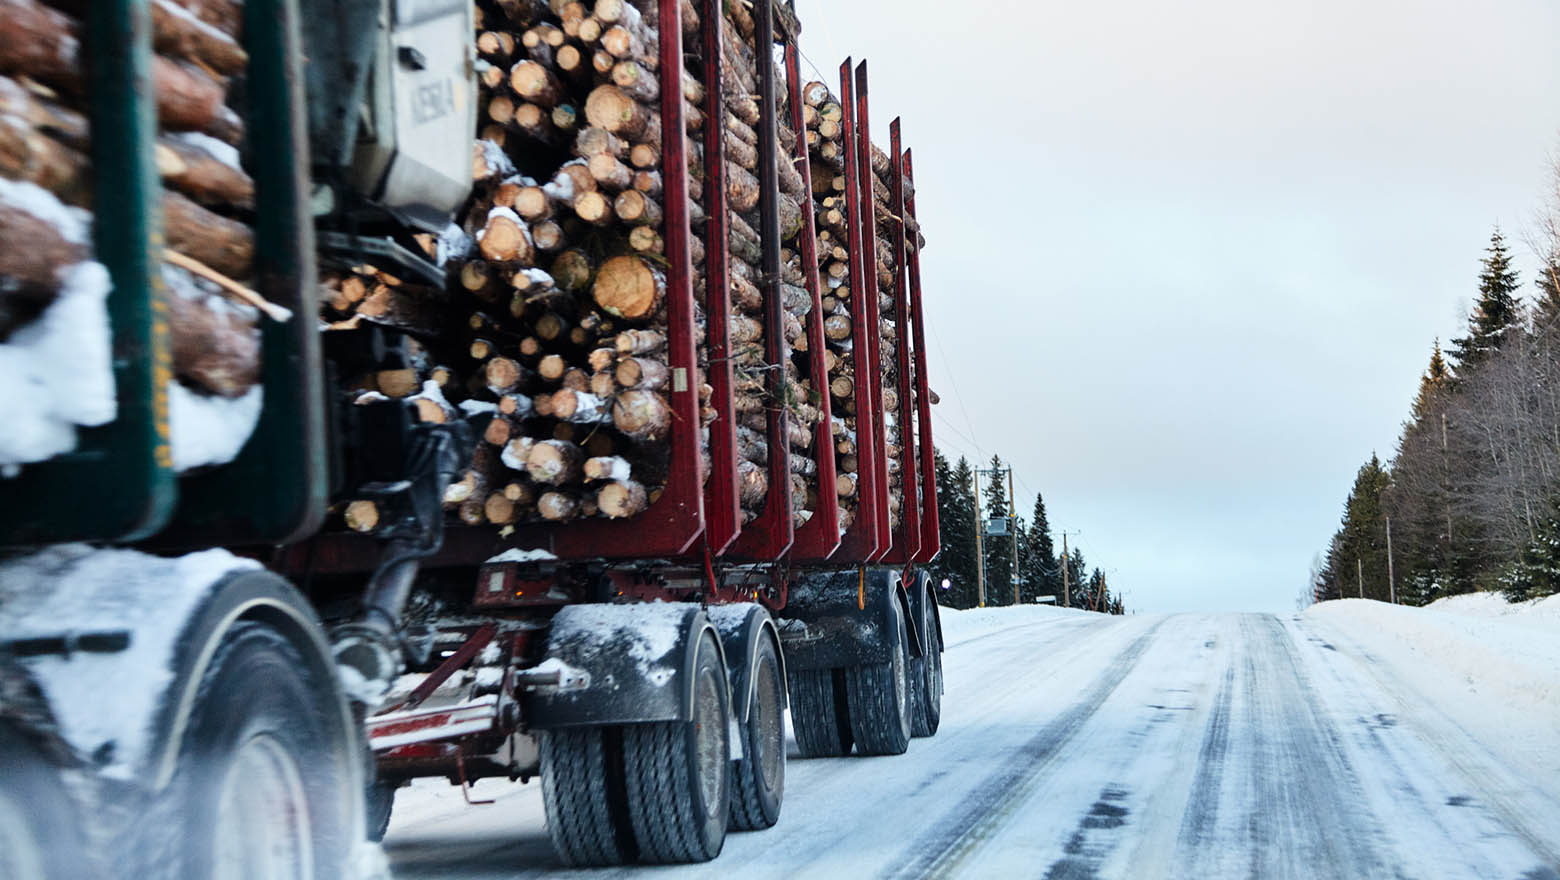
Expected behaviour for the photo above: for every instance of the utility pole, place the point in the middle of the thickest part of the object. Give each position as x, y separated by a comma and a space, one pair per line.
1066, 564
980, 548
1391, 578
1359, 567
1013, 531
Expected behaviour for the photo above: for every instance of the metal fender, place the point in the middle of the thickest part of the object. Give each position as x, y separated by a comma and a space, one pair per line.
620, 664
165, 618
742, 628
846, 618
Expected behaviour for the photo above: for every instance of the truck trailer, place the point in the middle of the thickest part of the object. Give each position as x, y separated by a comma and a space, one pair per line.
428, 388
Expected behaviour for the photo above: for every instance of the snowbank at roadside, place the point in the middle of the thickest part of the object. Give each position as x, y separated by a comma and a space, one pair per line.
958, 626
1543, 612
1499, 674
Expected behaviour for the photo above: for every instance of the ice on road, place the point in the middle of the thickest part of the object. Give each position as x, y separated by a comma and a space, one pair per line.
1355, 740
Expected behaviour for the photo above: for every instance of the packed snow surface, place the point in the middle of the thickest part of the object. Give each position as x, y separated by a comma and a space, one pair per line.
104, 702
1083, 745
1498, 676
1543, 612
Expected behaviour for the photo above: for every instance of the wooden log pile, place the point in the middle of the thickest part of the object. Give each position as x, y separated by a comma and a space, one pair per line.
824, 117
207, 197
749, 290
554, 322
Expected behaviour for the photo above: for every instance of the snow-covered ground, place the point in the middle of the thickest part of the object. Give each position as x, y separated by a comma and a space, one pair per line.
1543, 612
1355, 740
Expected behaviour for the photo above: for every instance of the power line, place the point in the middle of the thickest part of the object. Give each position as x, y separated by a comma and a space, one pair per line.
954, 381
967, 438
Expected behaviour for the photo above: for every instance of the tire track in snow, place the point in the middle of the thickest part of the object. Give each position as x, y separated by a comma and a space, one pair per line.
1306, 806
1480, 770
1202, 803
984, 810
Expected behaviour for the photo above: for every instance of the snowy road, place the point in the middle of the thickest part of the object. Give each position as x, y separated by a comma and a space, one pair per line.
1082, 746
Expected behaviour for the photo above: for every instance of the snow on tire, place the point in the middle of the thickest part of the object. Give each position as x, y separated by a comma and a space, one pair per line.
262, 740
879, 696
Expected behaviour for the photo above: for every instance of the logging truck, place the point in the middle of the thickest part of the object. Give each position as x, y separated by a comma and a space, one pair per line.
520, 388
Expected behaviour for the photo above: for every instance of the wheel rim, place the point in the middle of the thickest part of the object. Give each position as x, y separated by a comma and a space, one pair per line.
770, 736
710, 742
263, 828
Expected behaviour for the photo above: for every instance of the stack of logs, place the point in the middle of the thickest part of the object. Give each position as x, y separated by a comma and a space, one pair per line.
752, 396
555, 320
824, 118
826, 143
207, 197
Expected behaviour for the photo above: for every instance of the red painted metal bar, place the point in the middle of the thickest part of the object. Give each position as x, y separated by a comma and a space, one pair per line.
863, 541
452, 664
820, 536
868, 233
676, 520
770, 535
907, 538
722, 507
931, 523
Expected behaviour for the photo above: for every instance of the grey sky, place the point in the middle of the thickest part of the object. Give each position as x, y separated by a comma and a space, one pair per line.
1186, 260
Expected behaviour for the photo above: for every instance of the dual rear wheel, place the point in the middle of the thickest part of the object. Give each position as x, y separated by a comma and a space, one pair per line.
873, 707
650, 792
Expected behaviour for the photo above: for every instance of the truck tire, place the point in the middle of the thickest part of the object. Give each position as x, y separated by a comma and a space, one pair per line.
576, 779
264, 773
758, 780
677, 772
820, 715
39, 830
379, 801
926, 682
879, 696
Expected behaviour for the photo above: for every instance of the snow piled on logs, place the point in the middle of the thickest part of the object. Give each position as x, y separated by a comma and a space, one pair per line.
220, 150
105, 703
208, 429
57, 373
518, 555
452, 244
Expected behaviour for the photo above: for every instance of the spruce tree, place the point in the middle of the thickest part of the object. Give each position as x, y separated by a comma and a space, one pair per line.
1360, 560
1096, 597
1077, 580
999, 549
956, 509
1496, 313
1043, 577
1420, 499
1546, 309
1536, 572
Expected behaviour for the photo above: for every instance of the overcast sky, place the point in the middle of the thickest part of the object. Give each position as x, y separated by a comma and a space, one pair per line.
1185, 260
